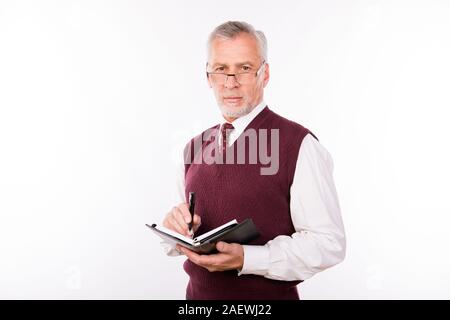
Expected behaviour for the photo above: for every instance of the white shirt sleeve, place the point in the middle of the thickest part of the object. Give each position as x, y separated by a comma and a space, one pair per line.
319, 240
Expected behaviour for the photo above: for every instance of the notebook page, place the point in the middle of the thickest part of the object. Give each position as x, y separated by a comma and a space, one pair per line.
175, 234
207, 234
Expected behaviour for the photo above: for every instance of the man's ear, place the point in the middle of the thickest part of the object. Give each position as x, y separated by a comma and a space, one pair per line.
266, 74
207, 78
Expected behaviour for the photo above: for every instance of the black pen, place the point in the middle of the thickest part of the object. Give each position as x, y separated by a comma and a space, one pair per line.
191, 210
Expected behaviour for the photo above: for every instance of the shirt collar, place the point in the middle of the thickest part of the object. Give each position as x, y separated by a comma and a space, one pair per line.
242, 122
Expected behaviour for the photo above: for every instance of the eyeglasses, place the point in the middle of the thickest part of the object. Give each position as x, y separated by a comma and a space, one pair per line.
220, 78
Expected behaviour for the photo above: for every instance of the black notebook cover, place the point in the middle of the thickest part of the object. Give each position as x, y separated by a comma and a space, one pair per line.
239, 233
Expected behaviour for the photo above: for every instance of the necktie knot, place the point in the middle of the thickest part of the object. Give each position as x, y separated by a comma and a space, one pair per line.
227, 126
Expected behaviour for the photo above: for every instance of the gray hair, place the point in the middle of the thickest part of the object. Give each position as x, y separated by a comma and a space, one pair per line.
231, 29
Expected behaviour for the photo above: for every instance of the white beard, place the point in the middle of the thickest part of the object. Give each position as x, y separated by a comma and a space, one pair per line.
236, 114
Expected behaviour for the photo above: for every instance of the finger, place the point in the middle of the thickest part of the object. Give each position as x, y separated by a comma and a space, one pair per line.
194, 257
224, 247
166, 219
197, 220
184, 208
181, 221
188, 253
174, 225
179, 249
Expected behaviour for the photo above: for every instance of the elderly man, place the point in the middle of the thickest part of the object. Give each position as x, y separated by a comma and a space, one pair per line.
295, 207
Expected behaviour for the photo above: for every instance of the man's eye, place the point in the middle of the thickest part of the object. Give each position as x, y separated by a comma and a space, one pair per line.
219, 69
246, 68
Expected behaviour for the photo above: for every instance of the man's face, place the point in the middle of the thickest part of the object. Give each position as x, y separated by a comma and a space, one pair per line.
240, 54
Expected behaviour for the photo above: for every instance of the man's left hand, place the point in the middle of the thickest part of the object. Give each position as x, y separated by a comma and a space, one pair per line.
229, 257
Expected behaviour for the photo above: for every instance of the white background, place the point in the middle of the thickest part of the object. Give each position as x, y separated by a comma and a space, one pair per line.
96, 98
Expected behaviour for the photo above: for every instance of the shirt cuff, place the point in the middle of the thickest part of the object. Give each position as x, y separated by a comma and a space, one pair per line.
170, 249
256, 260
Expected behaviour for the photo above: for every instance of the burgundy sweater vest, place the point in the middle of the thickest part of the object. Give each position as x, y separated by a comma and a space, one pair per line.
239, 191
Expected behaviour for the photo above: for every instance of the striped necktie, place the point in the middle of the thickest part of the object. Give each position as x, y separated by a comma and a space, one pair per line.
225, 132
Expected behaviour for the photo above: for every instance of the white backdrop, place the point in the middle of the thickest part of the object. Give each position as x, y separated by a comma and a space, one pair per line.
96, 98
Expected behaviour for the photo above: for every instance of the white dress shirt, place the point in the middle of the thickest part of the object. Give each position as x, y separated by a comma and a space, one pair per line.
319, 240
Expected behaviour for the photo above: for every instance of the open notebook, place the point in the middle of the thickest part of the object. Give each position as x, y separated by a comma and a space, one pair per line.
231, 232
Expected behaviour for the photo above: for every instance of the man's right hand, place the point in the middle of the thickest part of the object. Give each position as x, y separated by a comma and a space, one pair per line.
179, 217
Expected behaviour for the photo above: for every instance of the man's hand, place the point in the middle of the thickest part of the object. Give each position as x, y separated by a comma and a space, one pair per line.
230, 257
179, 217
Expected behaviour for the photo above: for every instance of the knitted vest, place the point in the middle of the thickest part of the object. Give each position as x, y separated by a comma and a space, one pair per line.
239, 191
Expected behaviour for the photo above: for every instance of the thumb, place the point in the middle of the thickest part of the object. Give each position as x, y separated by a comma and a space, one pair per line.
224, 247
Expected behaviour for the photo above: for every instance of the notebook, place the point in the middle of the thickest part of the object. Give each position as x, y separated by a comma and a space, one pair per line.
231, 232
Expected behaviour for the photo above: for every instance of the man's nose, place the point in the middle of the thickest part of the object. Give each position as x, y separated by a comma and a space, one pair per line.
230, 82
